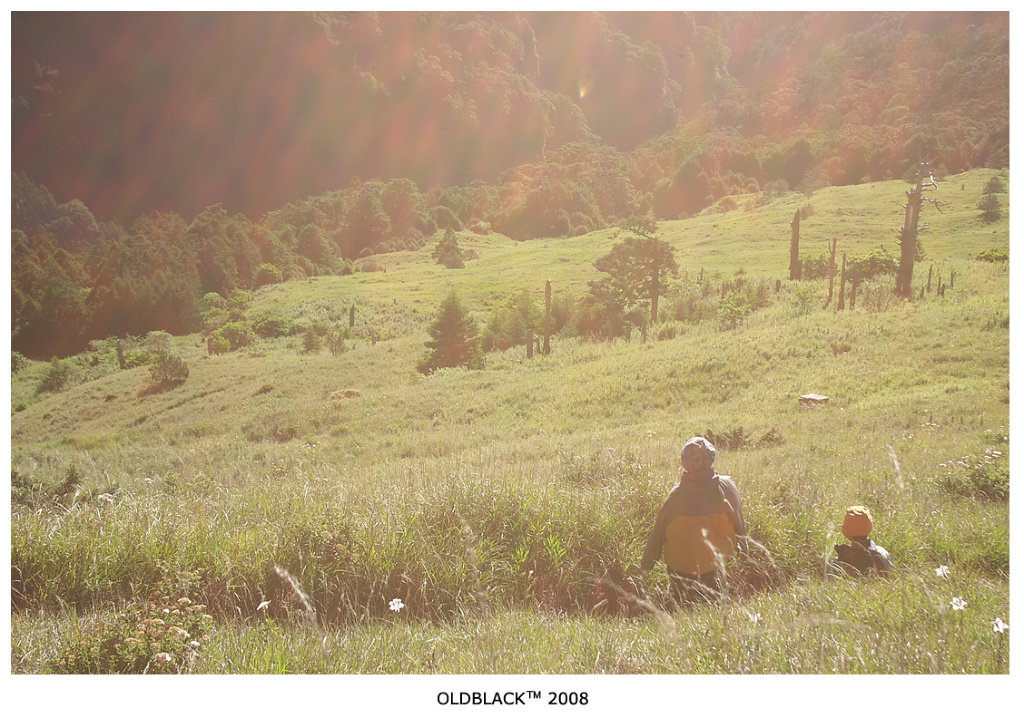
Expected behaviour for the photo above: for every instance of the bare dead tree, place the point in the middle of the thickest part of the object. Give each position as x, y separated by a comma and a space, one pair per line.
842, 285
794, 248
547, 318
908, 235
831, 271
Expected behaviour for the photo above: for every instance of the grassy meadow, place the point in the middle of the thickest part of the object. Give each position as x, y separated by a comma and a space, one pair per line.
263, 515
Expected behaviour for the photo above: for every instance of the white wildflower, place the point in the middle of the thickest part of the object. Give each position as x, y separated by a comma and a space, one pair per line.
396, 605
999, 627
942, 572
958, 603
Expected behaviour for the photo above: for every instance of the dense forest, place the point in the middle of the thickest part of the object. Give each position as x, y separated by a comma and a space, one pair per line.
158, 158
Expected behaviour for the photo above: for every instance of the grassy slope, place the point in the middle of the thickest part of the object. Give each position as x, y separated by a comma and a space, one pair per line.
926, 382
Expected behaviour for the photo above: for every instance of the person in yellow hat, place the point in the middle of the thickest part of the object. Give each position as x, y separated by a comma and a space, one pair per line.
863, 556
699, 527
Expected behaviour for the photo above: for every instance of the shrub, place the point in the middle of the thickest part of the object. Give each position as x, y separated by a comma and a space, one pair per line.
164, 637
267, 274
233, 335
510, 325
18, 362
219, 344
336, 341
816, 266
804, 299
865, 266
591, 318
273, 326
25, 489
57, 376
986, 477
992, 255
733, 308
237, 303
168, 368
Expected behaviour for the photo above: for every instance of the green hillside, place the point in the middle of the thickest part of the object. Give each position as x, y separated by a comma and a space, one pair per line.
489, 500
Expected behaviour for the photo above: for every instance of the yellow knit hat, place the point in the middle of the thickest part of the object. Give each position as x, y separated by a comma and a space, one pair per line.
857, 522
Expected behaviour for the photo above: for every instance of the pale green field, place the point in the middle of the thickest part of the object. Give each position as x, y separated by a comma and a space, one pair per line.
489, 500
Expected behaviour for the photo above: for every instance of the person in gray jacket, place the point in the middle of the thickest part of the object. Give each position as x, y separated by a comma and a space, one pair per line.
699, 527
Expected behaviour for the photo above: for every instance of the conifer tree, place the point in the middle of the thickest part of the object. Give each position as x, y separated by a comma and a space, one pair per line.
454, 338
448, 252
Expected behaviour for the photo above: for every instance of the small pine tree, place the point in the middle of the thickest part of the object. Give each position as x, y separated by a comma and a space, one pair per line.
448, 252
995, 185
311, 341
991, 209
454, 338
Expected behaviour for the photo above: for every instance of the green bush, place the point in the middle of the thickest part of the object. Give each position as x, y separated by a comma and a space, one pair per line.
57, 376
233, 335
268, 274
733, 308
273, 326
817, 266
18, 362
30, 491
874, 263
511, 324
164, 637
993, 255
137, 357
168, 368
985, 476
336, 340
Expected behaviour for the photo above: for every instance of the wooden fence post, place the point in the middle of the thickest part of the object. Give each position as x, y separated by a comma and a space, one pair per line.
547, 318
842, 286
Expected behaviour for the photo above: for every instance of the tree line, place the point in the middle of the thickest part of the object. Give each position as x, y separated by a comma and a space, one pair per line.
855, 111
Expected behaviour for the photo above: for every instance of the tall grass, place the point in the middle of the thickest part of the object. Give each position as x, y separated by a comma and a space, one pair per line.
297, 494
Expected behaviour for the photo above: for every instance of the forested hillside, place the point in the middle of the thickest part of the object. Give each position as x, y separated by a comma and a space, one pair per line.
158, 158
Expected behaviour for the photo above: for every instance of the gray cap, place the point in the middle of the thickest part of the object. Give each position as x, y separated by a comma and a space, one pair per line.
697, 454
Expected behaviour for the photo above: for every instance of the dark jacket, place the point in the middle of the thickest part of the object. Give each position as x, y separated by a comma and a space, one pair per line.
862, 557
703, 508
